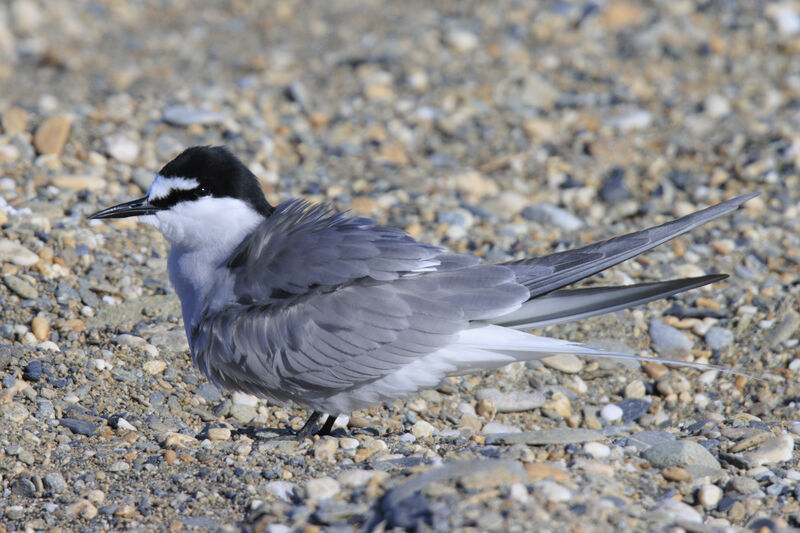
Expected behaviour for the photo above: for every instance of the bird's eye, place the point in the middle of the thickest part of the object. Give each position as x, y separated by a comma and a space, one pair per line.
203, 190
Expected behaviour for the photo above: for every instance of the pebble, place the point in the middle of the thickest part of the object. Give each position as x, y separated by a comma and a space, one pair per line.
21, 287
219, 434
322, 488
718, 338
119, 466
709, 495
79, 427
422, 430
679, 453
51, 135
40, 328
597, 450
567, 363
675, 511
551, 214
667, 341
611, 412
122, 148
54, 482
635, 389
283, 490
775, 450
15, 120
494, 428
188, 116
14, 252
511, 402
634, 408
462, 40
552, 491
154, 367
81, 508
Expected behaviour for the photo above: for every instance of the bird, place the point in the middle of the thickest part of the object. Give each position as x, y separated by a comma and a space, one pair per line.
299, 303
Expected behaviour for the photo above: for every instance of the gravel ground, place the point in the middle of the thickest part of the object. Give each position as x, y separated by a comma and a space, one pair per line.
506, 129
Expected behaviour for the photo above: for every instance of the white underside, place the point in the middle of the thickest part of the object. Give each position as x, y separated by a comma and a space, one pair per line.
479, 348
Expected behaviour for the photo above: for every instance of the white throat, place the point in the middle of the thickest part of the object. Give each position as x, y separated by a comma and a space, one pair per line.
203, 233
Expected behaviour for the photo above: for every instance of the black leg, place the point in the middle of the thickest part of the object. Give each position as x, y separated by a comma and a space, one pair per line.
308, 428
327, 426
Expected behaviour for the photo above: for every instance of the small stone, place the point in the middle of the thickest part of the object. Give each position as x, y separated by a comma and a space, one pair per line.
82, 508
125, 510
679, 453
119, 466
40, 327
565, 362
354, 479
78, 426
154, 367
178, 440
675, 511
122, 148
52, 134
485, 408
611, 412
422, 430
33, 371
559, 404
283, 490
219, 434
14, 412
493, 474
240, 398
96, 496
511, 402
79, 182
676, 473
635, 389
784, 328
20, 287
15, 120
23, 487
325, 450
552, 491
743, 484
716, 106
462, 40
178, 115
776, 450
718, 338
709, 495
243, 413
636, 119
322, 488
633, 408
669, 342
597, 450
494, 428
551, 214
54, 482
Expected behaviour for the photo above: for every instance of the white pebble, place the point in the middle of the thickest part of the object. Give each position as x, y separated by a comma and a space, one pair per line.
611, 412
709, 495
552, 491
597, 450
518, 492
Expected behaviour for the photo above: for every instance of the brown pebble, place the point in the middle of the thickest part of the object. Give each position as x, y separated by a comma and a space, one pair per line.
654, 369
15, 120
52, 135
540, 471
40, 328
125, 511
676, 473
170, 457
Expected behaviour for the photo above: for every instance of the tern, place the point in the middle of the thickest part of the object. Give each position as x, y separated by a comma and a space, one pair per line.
296, 302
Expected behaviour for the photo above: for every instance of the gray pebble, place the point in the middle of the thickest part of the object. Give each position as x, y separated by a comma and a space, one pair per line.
668, 341
178, 115
551, 214
21, 287
679, 453
78, 426
718, 338
54, 481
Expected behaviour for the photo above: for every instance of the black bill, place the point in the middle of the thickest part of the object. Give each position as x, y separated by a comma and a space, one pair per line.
137, 207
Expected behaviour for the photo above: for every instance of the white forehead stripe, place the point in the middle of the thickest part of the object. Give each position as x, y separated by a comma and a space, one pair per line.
161, 186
